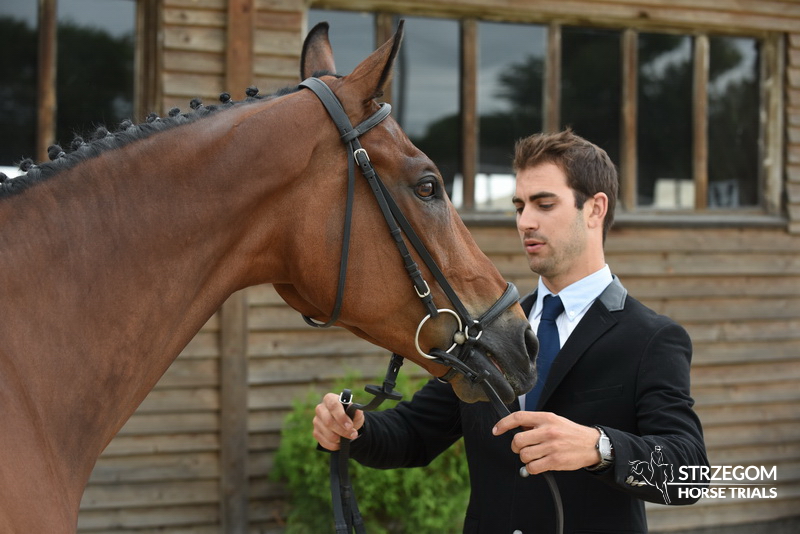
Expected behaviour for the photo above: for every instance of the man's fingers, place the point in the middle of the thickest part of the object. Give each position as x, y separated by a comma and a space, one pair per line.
526, 420
331, 422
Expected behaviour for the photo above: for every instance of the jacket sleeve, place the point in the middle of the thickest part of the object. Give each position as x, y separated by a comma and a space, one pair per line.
652, 463
411, 434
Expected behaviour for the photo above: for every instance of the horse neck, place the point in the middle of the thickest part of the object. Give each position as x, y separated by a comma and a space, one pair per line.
113, 267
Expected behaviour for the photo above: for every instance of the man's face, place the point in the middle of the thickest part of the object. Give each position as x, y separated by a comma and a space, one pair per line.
553, 231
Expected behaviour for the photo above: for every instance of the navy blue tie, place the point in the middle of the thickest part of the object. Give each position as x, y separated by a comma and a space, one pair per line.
549, 345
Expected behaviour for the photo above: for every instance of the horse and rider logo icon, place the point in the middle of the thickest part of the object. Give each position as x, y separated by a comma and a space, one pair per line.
653, 473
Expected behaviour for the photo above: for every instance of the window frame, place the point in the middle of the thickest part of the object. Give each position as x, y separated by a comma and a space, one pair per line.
769, 210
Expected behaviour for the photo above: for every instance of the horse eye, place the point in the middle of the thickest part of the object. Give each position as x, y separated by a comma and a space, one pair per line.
426, 189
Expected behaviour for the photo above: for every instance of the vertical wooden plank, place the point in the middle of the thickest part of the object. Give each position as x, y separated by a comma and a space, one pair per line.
147, 62
700, 122
233, 415
552, 80
628, 158
773, 72
46, 84
239, 48
469, 109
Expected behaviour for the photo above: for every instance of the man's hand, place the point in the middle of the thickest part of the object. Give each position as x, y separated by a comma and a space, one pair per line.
331, 422
548, 442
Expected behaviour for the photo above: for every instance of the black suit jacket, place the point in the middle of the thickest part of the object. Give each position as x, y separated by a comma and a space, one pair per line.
624, 368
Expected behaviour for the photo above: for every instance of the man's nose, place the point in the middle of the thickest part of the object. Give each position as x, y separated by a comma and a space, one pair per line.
526, 220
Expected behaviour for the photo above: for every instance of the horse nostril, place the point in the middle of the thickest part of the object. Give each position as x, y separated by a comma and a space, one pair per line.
531, 343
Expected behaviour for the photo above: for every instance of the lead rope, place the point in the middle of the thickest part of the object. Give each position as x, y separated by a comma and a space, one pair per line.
502, 411
345, 508
346, 515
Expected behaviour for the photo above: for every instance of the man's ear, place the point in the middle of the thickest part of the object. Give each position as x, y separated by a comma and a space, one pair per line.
596, 208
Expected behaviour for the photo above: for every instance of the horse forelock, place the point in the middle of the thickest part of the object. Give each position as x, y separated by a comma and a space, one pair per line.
102, 140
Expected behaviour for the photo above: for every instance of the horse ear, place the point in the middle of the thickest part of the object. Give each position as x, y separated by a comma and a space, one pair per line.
317, 54
375, 71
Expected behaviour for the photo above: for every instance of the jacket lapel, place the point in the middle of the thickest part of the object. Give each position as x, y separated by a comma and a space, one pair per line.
598, 320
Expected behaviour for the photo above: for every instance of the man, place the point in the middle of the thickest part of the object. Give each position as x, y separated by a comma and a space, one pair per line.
615, 393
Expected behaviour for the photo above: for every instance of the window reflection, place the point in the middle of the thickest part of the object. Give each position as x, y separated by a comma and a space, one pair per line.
664, 122
17, 82
510, 83
591, 77
425, 90
94, 80
733, 129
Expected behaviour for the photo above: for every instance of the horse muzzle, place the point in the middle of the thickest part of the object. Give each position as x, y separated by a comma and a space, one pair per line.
502, 357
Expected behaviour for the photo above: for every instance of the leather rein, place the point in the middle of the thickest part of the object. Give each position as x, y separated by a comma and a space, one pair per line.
346, 514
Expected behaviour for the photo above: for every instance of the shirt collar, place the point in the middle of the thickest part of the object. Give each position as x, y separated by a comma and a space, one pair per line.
578, 296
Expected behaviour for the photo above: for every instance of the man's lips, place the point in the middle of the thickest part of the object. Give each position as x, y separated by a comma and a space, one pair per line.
532, 245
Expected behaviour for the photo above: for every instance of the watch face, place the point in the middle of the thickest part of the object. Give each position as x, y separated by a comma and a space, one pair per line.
605, 447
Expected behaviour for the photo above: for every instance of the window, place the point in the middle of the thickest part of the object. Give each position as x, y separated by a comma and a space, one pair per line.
92, 79
685, 116
510, 80
664, 122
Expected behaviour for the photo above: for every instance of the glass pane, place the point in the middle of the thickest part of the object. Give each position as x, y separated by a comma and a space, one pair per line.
733, 127
510, 84
426, 95
664, 122
591, 78
94, 82
352, 35
17, 82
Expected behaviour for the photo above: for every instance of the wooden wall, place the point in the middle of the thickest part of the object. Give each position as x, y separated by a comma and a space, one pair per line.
736, 289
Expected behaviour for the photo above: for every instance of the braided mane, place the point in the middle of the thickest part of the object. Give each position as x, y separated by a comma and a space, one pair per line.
103, 140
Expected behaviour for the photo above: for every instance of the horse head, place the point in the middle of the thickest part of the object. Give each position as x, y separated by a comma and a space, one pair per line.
380, 303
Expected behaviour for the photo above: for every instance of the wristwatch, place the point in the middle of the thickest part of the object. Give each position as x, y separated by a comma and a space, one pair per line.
606, 450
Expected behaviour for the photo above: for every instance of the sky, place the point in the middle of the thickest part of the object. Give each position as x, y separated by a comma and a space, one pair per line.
115, 16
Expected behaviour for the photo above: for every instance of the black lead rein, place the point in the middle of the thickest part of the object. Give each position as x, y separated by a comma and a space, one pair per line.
346, 514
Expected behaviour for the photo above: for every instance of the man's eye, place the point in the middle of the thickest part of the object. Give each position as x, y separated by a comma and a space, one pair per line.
425, 189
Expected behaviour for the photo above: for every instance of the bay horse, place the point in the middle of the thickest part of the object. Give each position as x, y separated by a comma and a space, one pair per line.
113, 256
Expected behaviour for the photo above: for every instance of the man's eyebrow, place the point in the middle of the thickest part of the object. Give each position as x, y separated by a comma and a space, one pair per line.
533, 198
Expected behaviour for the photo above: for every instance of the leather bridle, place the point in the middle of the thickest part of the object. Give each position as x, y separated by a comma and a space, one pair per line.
470, 329
465, 338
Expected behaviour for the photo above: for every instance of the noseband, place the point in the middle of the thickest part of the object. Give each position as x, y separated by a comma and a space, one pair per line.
469, 330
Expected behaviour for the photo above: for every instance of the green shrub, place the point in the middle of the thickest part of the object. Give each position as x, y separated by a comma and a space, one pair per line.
422, 500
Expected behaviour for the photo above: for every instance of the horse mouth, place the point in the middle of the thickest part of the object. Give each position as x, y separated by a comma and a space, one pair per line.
510, 376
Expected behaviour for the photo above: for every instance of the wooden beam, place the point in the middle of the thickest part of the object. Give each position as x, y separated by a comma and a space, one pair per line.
552, 81
46, 83
148, 64
469, 110
628, 158
700, 122
773, 71
234, 476
239, 47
